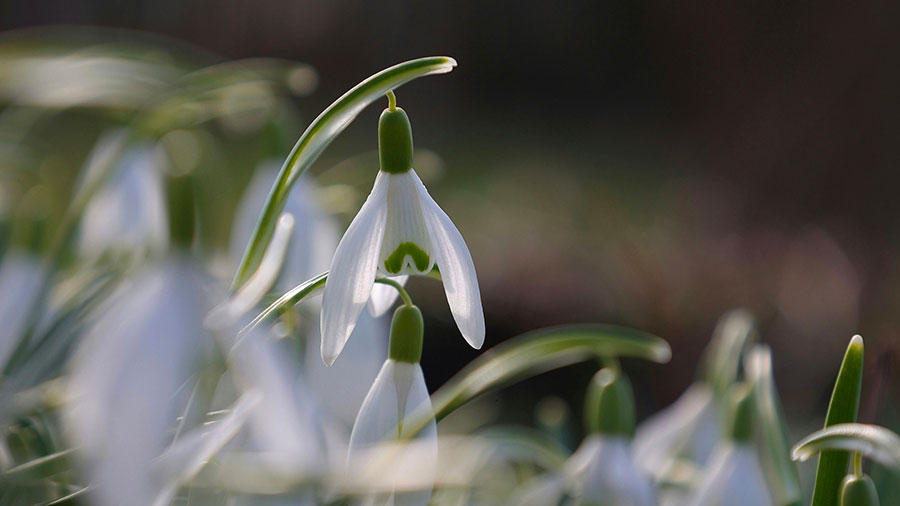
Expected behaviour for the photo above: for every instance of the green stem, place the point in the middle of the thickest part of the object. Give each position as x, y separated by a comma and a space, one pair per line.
857, 464
407, 301
392, 100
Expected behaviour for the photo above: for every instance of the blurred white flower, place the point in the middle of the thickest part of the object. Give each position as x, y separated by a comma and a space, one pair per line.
609, 476
125, 377
315, 235
398, 395
128, 214
21, 277
734, 478
400, 230
689, 429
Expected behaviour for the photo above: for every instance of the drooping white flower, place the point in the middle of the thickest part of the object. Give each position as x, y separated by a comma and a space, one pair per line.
398, 394
733, 477
688, 429
128, 212
392, 411
608, 475
125, 377
399, 230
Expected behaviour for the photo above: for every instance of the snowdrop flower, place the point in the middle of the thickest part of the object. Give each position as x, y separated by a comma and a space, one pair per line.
688, 429
399, 230
604, 461
602, 471
125, 375
398, 395
128, 213
734, 475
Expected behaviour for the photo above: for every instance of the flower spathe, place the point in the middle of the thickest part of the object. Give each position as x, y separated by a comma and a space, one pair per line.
399, 230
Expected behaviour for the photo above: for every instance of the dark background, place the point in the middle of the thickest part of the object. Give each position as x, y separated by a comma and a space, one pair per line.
650, 164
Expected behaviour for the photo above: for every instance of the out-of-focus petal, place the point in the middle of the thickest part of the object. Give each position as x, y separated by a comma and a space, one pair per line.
689, 428
457, 269
733, 477
353, 272
125, 376
612, 478
341, 388
128, 213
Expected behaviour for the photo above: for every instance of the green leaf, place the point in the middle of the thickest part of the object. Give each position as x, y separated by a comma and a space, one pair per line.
38, 469
842, 409
735, 330
328, 125
288, 300
536, 352
781, 470
873, 441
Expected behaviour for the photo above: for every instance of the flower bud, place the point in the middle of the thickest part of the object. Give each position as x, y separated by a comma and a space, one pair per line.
395, 144
610, 404
858, 491
407, 329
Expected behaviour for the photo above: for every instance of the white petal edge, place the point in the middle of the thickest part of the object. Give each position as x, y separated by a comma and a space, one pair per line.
457, 269
384, 296
353, 272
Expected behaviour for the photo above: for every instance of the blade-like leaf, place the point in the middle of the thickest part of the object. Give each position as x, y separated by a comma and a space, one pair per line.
783, 472
537, 352
842, 409
288, 300
38, 468
316, 138
873, 441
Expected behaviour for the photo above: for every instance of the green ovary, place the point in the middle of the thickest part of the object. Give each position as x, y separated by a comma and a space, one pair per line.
394, 263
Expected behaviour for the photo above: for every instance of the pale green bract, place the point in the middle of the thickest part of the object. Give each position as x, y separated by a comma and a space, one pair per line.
873, 441
316, 138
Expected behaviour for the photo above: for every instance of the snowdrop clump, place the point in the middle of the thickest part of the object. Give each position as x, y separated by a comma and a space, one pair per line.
134, 373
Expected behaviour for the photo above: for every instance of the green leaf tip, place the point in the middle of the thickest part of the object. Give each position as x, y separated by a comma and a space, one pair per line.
318, 135
833, 464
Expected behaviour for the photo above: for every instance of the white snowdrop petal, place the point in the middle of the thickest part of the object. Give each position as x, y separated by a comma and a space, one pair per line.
457, 269
407, 246
688, 428
733, 477
128, 212
399, 393
353, 272
341, 388
384, 296
125, 374
611, 477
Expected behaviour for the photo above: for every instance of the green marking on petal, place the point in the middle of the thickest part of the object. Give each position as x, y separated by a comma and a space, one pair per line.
394, 263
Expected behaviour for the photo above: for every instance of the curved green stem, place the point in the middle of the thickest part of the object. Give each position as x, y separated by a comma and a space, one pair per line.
328, 125
392, 100
407, 301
